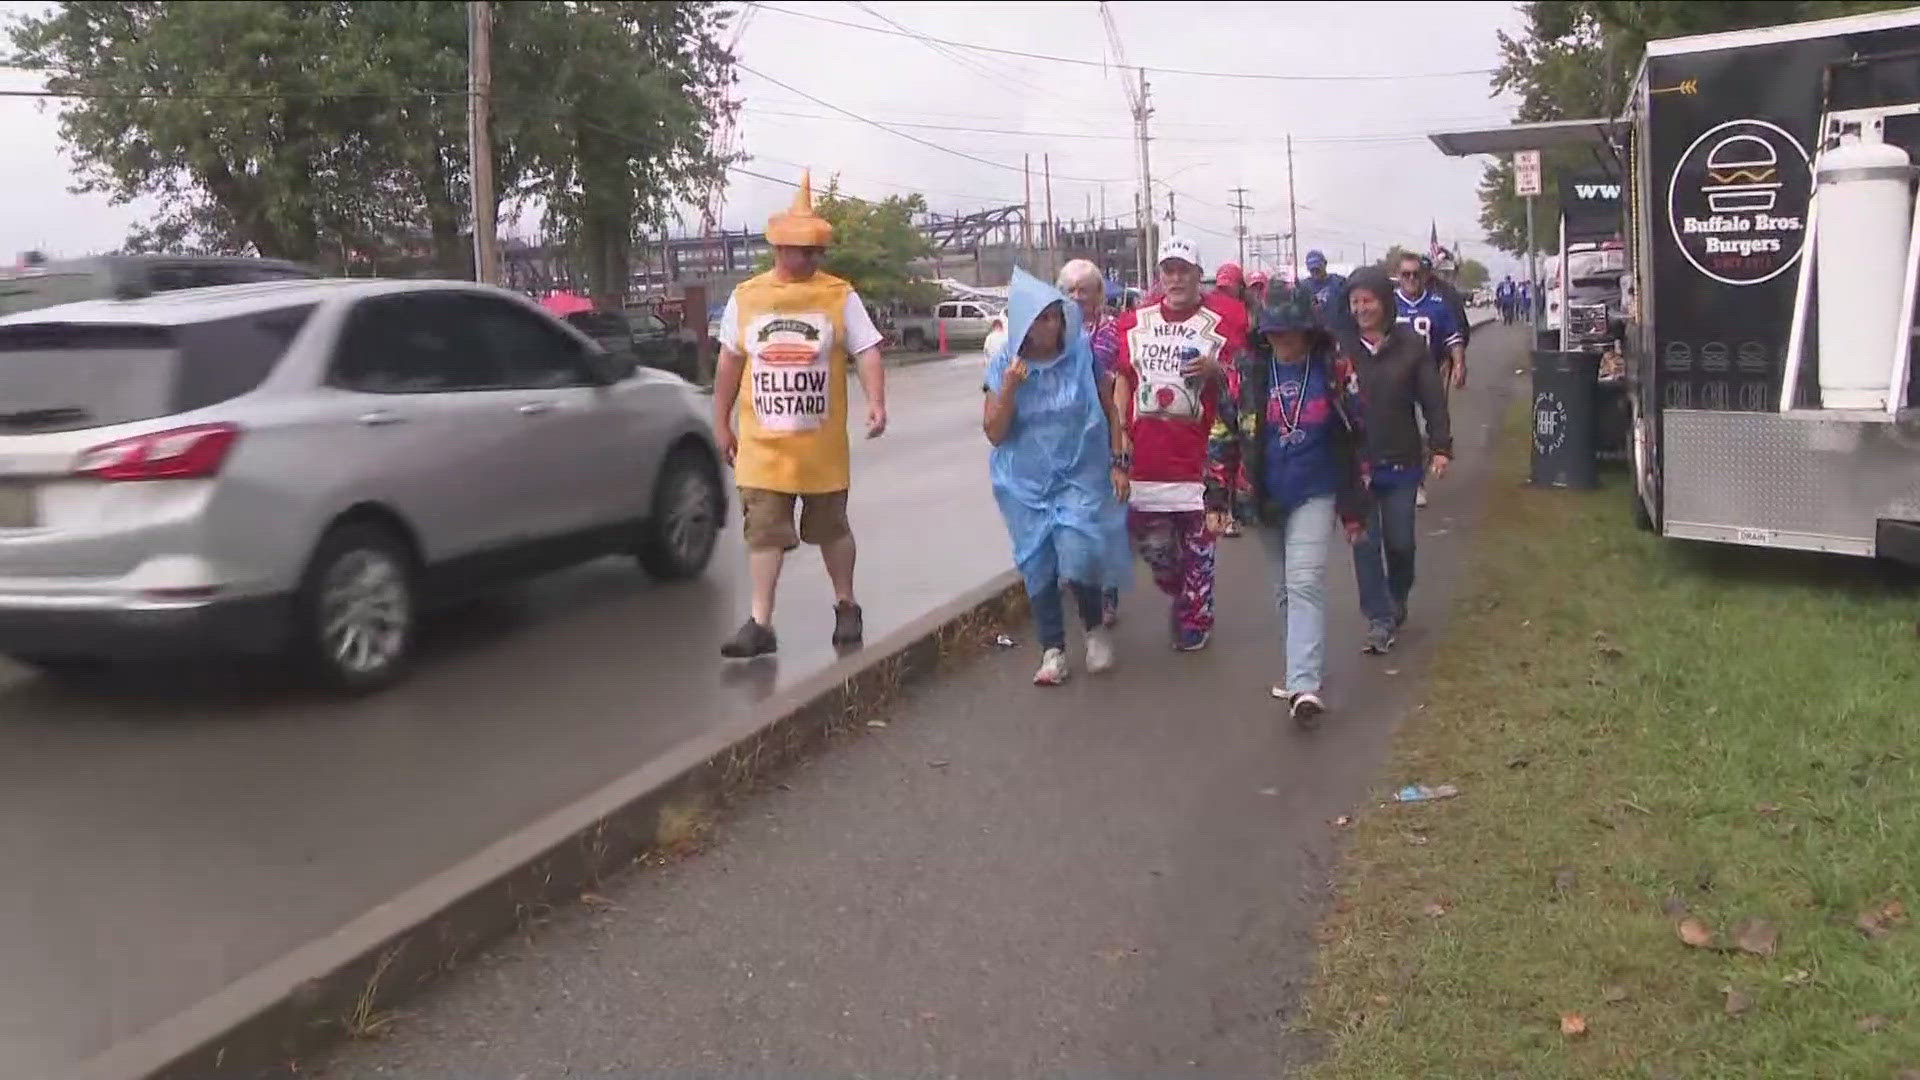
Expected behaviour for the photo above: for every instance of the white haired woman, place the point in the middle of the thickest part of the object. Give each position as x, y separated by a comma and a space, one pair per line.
1083, 283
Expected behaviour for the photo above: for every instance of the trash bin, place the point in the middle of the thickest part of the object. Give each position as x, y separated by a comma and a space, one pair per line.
1564, 388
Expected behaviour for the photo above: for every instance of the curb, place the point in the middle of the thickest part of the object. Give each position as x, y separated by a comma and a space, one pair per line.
263, 1023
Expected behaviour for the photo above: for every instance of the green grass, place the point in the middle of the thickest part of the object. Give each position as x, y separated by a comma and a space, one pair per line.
1637, 723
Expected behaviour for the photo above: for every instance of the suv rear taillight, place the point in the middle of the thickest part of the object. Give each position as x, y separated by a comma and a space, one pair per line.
188, 453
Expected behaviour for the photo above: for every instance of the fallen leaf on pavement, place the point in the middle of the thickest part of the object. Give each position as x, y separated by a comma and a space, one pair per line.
876, 723
1737, 1002
1695, 933
1757, 936
1343, 820
940, 764
1519, 762
598, 901
1870, 1024
1269, 791
1115, 954
1573, 1025
1613, 995
1393, 671
1382, 999
1564, 879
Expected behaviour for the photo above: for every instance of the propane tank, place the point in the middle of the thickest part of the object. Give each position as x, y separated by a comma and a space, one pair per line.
1866, 211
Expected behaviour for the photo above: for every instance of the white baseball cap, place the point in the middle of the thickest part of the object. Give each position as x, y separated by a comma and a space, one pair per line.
1174, 247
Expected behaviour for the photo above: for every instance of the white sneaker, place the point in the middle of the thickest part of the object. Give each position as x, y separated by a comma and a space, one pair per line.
1099, 651
1281, 693
1420, 497
1053, 668
1307, 708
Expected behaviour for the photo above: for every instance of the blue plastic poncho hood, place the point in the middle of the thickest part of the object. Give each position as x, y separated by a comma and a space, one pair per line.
1052, 474
1027, 297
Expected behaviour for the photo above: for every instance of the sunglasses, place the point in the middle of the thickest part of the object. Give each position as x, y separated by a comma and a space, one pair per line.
1406, 274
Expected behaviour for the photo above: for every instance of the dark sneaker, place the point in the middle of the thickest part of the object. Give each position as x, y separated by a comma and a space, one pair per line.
1399, 616
849, 627
1380, 640
750, 641
1191, 640
1307, 708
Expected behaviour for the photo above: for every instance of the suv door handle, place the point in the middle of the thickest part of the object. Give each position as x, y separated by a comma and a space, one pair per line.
536, 408
381, 418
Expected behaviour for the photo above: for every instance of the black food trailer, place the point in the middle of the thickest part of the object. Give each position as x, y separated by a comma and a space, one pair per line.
1768, 344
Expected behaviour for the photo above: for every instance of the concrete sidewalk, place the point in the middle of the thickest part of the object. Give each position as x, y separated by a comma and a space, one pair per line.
1120, 877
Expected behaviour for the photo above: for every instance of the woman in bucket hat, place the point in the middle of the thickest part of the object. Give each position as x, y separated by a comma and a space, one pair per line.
1298, 414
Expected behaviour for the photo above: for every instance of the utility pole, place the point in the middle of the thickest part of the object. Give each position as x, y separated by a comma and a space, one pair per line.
1293, 210
1053, 228
486, 262
1026, 214
1146, 184
1239, 207
1173, 216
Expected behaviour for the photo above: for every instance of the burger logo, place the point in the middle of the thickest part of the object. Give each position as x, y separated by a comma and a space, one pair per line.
1737, 202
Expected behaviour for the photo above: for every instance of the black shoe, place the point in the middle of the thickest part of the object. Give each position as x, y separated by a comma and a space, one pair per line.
750, 641
849, 627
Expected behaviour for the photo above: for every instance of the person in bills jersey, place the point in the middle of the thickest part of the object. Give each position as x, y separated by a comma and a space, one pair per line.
1427, 312
1170, 373
1419, 306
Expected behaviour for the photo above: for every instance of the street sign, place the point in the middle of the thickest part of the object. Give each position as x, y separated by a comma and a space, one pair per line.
1526, 172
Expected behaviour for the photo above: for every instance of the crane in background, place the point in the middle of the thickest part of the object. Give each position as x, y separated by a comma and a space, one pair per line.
1137, 104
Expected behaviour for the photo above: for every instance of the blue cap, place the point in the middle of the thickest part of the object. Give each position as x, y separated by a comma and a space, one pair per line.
1316, 258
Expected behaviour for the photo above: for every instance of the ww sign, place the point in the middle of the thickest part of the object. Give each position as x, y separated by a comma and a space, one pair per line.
1526, 172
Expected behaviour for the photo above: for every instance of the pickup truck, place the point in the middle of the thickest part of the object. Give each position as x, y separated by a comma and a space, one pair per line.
968, 324
641, 336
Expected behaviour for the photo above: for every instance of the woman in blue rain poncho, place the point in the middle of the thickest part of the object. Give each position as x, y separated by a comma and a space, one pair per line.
1060, 483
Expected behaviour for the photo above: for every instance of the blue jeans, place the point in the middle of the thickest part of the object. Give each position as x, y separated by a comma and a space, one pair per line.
1297, 558
1383, 562
1050, 618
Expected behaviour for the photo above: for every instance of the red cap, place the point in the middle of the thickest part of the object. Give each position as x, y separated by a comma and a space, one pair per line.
1257, 279
1228, 274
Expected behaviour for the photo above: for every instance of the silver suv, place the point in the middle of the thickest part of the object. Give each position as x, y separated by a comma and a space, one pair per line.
302, 465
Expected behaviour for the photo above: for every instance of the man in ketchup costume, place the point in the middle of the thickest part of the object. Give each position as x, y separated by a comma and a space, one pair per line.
1170, 372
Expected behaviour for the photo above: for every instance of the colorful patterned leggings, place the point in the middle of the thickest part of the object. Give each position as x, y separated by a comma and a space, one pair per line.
1178, 547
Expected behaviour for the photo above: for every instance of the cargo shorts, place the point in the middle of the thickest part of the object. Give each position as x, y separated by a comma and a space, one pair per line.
768, 518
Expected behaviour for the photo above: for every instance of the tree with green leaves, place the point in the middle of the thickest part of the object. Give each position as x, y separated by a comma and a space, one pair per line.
1576, 59
875, 246
334, 132
1471, 275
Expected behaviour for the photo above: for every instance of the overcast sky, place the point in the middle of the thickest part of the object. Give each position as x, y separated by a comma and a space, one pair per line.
1363, 172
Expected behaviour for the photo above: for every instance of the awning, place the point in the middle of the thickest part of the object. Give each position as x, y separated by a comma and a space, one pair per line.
1510, 137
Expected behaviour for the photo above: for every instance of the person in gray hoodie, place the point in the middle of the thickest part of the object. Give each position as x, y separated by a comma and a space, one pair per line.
1397, 375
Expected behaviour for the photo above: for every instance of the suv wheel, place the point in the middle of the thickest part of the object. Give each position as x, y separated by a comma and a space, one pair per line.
685, 523
356, 608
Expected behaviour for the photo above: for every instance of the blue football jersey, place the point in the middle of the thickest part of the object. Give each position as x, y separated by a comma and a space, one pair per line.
1430, 317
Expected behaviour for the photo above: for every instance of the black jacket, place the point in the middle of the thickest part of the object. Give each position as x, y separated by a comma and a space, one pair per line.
1451, 297
1393, 380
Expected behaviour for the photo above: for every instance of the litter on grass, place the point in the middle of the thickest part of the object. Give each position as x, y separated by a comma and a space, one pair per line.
1422, 793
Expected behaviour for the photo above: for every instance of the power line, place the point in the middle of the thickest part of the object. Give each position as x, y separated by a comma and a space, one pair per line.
905, 135
1219, 141
1265, 76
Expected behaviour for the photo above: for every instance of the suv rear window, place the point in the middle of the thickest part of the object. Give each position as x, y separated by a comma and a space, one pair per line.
70, 376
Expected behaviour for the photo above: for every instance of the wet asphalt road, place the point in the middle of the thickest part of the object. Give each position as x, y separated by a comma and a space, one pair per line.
1117, 878
160, 839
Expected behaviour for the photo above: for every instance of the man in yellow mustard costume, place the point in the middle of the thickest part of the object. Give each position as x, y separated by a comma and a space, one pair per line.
785, 339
